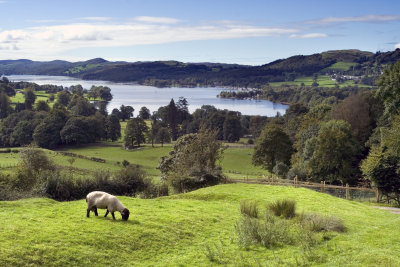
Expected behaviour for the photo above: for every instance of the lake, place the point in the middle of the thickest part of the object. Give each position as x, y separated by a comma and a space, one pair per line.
138, 96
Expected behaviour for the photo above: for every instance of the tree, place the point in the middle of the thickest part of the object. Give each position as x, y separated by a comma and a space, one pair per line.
382, 169
135, 132
41, 105
163, 136
47, 133
5, 107
126, 112
192, 162
272, 146
22, 133
232, 128
389, 89
63, 98
113, 128
172, 119
30, 98
335, 153
144, 113
355, 110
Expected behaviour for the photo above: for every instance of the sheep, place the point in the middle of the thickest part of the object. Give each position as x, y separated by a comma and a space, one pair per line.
103, 200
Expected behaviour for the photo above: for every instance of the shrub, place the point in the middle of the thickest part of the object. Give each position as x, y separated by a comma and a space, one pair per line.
249, 208
318, 223
283, 208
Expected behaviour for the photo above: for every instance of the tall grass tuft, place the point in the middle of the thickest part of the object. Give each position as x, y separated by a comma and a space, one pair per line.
249, 208
319, 223
283, 208
269, 232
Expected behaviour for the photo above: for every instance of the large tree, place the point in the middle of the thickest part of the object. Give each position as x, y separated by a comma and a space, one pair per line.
335, 154
30, 98
389, 89
113, 128
5, 107
126, 112
135, 132
193, 161
272, 146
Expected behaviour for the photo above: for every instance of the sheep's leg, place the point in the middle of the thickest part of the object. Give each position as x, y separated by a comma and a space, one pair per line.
106, 213
88, 213
95, 211
112, 213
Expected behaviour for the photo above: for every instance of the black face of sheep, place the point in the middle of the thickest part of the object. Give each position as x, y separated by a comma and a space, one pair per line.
125, 214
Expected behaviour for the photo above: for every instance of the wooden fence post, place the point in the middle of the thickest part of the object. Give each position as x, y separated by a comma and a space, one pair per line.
347, 191
295, 181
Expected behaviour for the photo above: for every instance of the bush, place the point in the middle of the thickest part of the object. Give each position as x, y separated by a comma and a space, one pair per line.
249, 208
318, 223
283, 208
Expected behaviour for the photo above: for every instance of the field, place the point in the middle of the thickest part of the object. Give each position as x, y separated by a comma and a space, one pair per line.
236, 162
323, 81
194, 229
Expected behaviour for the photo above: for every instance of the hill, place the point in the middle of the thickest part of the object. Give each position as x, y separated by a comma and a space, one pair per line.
194, 229
173, 73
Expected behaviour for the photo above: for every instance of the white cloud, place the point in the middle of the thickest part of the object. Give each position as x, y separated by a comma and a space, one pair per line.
158, 20
96, 18
364, 18
49, 42
308, 35
397, 45
3, 2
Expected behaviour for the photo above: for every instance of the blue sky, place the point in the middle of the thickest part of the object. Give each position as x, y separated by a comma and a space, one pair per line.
244, 32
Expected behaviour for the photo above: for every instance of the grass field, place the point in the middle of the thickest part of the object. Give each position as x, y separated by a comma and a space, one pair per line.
194, 229
236, 162
323, 81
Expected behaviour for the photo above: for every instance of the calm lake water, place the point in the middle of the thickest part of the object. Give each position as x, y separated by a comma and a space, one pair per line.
138, 96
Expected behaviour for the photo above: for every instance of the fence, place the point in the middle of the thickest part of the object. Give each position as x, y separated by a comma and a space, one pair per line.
346, 192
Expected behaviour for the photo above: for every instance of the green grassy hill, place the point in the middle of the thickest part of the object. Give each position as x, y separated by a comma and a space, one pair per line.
194, 229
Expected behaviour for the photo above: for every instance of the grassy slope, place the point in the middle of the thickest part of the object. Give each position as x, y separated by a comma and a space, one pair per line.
174, 231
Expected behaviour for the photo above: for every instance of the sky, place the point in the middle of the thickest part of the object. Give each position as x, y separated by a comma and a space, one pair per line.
252, 32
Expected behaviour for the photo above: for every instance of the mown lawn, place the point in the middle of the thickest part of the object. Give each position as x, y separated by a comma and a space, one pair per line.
194, 229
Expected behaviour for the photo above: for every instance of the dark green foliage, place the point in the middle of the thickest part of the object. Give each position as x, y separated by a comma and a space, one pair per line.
271, 147
192, 162
280, 169
334, 154
82, 130
63, 98
389, 89
5, 107
163, 136
249, 208
144, 113
113, 128
135, 131
232, 128
129, 181
47, 133
172, 117
283, 208
125, 112
382, 169
41, 105
30, 98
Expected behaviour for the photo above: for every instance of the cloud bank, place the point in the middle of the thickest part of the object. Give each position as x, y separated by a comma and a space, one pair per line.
46, 42
364, 18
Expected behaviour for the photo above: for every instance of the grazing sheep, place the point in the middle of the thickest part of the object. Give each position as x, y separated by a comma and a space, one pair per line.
103, 200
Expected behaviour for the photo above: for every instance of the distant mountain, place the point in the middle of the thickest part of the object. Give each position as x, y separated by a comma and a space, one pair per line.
175, 73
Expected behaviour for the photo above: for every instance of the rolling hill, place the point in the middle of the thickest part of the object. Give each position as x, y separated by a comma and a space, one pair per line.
174, 73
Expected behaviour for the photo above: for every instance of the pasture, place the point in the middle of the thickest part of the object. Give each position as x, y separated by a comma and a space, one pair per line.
236, 162
193, 229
